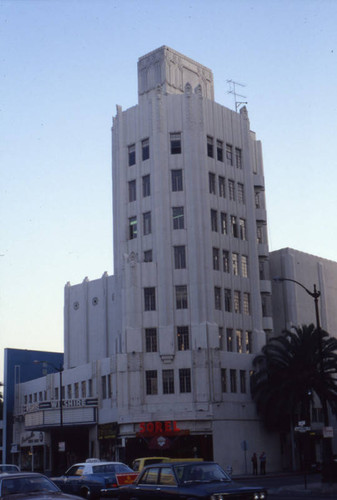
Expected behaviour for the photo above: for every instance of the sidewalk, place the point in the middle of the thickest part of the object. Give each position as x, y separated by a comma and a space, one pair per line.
326, 489
313, 487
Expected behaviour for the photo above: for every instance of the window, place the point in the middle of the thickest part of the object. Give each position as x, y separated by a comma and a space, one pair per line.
235, 263
147, 223
223, 380
216, 259
222, 186
151, 476
266, 304
241, 193
214, 220
210, 146
238, 158
148, 256
90, 388
181, 297
168, 381
244, 266
259, 232
243, 230
151, 382
223, 222
183, 338
246, 303
109, 386
132, 228
231, 189
232, 376
104, 387
132, 190
175, 142
237, 301
150, 299
249, 345
132, 154
145, 149
229, 339
167, 477
185, 379
83, 389
69, 391
221, 339
225, 261
219, 150
239, 343
146, 186
179, 257
178, 217
211, 183
257, 199
76, 390
228, 300
234, 226
217, 297
151, 340
177, 180
229, 154
243, 388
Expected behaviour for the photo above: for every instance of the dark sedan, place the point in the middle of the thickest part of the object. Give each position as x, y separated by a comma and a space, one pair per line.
188, 480
22, 485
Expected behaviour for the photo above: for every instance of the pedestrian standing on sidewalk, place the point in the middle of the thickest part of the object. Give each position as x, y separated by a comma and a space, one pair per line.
263, 460
254, 463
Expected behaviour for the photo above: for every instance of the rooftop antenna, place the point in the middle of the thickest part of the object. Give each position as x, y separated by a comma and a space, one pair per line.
232, 90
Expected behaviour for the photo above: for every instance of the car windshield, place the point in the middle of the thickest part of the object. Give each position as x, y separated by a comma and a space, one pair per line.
24, 484
204, 473
9, 468
101, 469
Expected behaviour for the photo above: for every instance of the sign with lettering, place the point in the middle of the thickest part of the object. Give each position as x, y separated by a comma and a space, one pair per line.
32, 438
166, 428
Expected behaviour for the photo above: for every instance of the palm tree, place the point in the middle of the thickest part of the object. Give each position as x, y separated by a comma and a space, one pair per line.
289, 372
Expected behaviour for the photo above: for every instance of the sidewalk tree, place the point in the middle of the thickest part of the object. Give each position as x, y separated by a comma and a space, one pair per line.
291, 369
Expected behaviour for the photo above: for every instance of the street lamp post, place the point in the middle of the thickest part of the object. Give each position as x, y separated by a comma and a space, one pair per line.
327, 446
59, 370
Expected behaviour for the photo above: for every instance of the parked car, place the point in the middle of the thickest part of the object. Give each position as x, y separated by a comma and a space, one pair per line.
9, 468
30, 485
192, 480
93, 478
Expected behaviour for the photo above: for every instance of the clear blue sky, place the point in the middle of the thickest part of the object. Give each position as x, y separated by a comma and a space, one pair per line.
65, 64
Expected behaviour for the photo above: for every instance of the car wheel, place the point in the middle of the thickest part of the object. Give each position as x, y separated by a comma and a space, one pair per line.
86, 493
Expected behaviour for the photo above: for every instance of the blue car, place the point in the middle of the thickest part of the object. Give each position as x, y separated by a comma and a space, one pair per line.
92, 479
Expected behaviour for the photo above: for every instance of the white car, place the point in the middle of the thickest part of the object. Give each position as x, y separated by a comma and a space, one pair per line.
93, 478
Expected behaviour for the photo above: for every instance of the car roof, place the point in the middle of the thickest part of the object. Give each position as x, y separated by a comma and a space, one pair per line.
174, 464
13, 475
97, 463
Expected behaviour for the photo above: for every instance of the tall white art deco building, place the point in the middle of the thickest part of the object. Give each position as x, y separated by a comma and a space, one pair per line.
190, 246
166, 344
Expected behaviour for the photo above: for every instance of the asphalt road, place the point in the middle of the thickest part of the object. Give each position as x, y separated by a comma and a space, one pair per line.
282, 486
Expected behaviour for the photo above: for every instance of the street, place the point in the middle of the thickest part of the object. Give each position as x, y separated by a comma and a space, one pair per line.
281, 486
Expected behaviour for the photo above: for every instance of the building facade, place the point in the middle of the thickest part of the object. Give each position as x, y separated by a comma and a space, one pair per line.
23, 365
293, 306
166, 344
